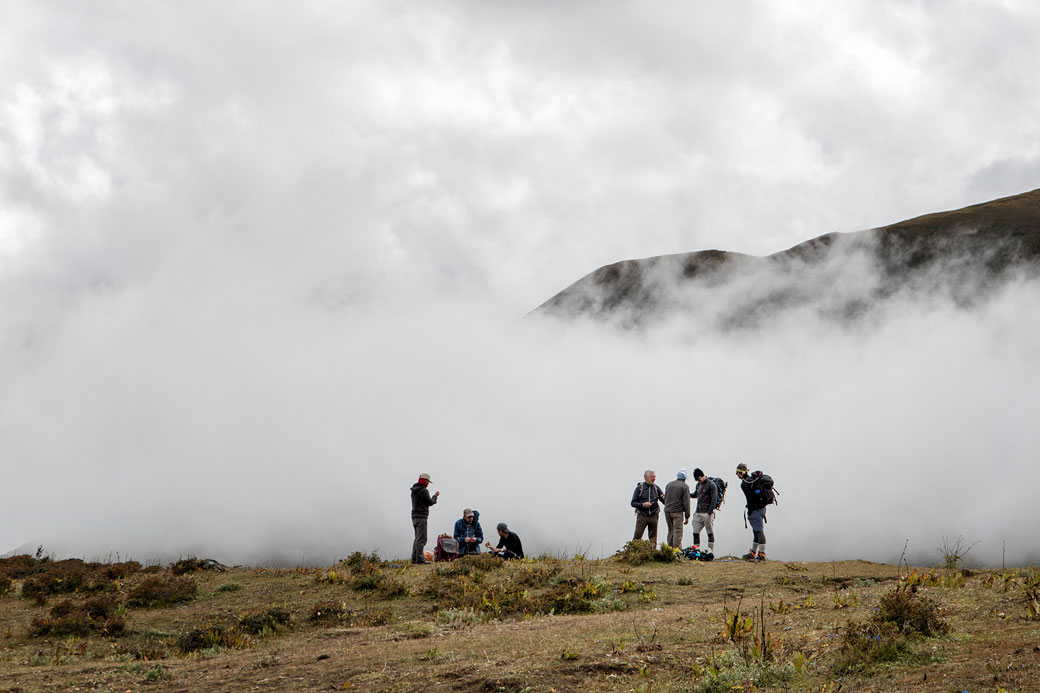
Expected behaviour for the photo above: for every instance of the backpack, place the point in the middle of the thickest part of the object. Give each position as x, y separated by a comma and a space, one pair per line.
447, 548
763, 487
721, 486
696, 554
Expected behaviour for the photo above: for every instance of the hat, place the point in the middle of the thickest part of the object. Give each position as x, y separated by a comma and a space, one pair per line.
682, 474
697, 473
502, 527
425, 476
468, 512
742, 468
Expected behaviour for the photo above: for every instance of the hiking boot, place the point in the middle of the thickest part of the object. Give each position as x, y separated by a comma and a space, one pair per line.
750, 556
761, 556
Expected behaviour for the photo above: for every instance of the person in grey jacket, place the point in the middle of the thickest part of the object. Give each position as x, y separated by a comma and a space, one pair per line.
676, 509
707, 495
646, 499
421, 502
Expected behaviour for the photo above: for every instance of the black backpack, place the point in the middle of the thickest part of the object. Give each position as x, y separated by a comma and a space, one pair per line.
721, 486
763, 487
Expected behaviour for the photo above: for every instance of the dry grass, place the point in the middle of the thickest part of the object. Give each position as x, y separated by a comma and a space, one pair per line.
672, 626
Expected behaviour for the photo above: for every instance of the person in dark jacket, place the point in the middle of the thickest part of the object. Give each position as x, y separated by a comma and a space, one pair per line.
646, 499
758, 490
676, 508
421, 502
707, 495
509, 545
468, 532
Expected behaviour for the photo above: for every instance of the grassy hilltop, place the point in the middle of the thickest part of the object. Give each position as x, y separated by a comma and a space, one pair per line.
635, 622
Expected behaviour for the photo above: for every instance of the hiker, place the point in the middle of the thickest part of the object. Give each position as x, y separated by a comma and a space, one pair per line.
676, 508
646, 499
758, 489
421, 502
707, 495
509, 545
468, 532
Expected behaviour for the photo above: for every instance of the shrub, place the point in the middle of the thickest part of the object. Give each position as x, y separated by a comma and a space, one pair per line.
866, 644
911, 614
5, 585
58, 577
210, 636
117, 571
337, 613
271, 620
67, 618
229, 587
359, 562
192, 565
636, 552
162, 590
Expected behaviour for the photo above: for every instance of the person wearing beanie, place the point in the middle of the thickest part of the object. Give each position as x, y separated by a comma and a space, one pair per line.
707, 495
758, 490
509, 545
421, 502
676, 509
646, 499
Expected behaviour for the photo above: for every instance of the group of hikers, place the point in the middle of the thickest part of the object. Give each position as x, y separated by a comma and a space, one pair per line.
647, 499
468, 534
709, 492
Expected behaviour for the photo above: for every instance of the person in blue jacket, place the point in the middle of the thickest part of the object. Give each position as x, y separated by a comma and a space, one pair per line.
468, 532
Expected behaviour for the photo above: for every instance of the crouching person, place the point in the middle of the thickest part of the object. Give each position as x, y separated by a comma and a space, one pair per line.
468, 532
509, 545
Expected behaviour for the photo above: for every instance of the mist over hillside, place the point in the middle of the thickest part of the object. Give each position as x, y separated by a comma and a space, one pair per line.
962, 257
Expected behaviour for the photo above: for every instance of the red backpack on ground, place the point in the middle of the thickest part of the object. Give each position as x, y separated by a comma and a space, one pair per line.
447, 548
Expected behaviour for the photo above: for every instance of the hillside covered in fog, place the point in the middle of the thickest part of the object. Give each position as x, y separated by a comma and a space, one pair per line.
961, 256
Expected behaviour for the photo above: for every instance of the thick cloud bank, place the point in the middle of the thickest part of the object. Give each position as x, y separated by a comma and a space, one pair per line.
261, 265
293, 435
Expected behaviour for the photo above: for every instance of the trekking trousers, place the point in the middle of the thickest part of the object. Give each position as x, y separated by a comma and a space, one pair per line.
649, 523
757, 520
701, 521
419, 525
675, 527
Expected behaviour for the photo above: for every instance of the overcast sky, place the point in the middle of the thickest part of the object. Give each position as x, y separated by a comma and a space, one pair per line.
218, 215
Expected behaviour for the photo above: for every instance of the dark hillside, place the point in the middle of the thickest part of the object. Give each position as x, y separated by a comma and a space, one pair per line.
962, 255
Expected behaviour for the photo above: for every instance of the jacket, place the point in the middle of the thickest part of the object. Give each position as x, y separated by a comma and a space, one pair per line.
511, 544
463, 530
754, 486
421, 500
647, 492
707, 495
677, 498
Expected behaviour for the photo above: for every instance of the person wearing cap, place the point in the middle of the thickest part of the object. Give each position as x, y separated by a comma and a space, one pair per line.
758, 490
676, 508
509, 545
707, 495
646, 499
421, 502
468, 532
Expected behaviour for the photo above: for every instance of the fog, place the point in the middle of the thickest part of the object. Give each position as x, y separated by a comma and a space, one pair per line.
261, 267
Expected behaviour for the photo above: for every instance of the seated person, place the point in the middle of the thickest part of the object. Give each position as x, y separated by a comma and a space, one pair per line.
509, 545
468, 532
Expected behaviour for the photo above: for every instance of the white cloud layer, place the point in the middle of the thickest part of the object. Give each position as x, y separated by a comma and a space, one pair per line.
258, 265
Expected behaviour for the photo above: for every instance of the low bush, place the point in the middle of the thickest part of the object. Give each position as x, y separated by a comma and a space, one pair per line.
5, 585
336, 613
258, 622
229, 587
162, 590
210, 636
638, 552
360, 562
865, 644
911, 614
193, 565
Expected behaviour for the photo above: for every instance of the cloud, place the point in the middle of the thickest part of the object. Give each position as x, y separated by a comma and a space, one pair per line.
258, 267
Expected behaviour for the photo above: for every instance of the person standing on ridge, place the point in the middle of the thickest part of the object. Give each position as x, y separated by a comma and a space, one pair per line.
646, 499
707, 495
421, 502
468, 532
758, 489
676, 508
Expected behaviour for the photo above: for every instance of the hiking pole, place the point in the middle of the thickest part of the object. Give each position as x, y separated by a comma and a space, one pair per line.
745, 518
